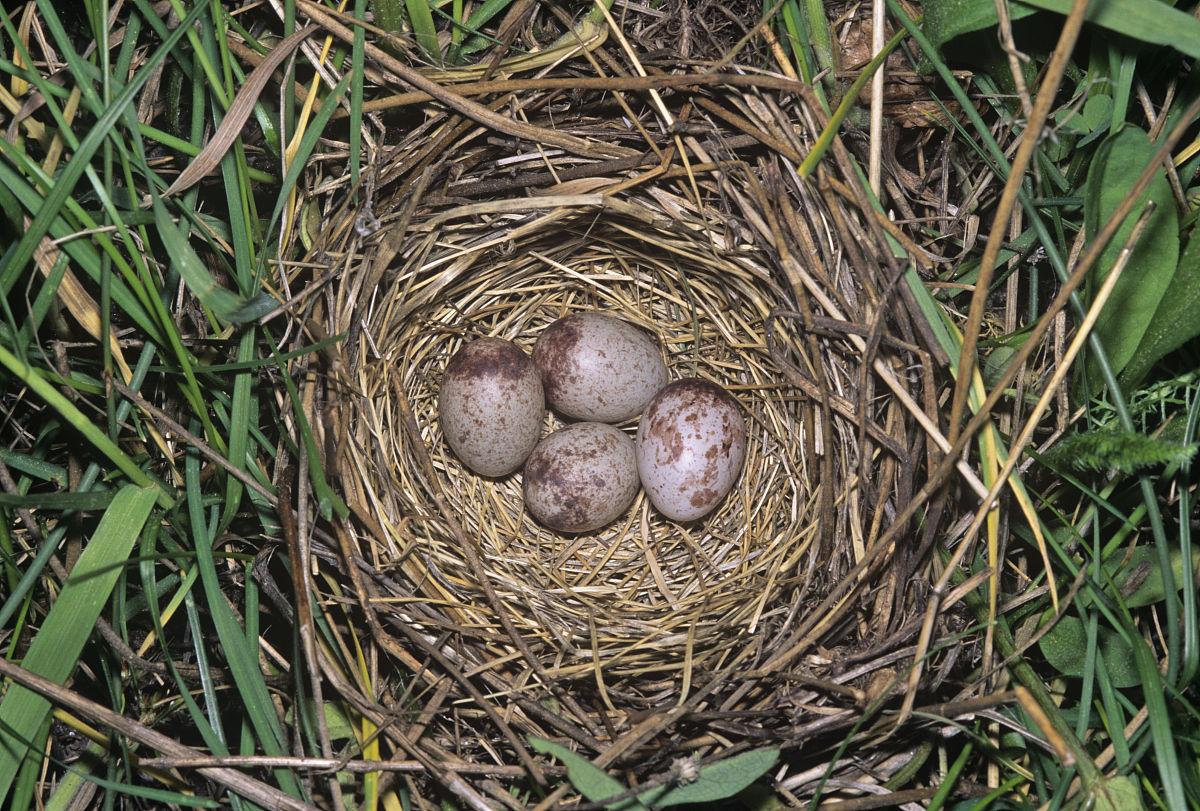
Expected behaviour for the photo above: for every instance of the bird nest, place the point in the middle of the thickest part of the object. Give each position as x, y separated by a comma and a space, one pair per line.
643, 597
780, 288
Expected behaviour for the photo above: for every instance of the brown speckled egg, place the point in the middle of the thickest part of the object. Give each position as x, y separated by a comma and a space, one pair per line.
691, 443
581, 477
491, 406
598, 368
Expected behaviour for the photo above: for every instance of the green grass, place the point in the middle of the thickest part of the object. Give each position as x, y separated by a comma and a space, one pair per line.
1096, 518
106, 169
61, 637
169, 536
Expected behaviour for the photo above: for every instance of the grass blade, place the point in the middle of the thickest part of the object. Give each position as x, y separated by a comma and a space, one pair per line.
241, 656
30, 377
73, 171
421, 18
56, 648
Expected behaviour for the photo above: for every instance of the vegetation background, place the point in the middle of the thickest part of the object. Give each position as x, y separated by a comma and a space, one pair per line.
156, 200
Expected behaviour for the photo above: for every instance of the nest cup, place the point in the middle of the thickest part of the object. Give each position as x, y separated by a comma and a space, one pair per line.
637, 606
768, 619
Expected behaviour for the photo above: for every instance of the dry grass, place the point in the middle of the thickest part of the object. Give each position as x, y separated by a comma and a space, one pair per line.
783, 290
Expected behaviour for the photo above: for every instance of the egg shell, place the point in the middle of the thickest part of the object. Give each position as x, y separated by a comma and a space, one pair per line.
581, 477
491, 406
691, 443
598, 368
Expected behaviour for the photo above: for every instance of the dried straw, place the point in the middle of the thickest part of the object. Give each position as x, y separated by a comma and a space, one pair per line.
644, 595
782, 290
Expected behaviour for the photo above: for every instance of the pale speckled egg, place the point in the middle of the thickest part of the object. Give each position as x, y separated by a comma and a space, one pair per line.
691, 443
598, 368
491, 406
581, 477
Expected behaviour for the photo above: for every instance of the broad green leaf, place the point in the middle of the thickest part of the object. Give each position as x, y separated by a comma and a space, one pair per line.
1140, 580
945, 20
995, 362
1091, 116
1175, 321
226, 305
719, 781
340, 726
1116, 794
1065, 648
1128, 313
55, 650
590, 780
1149, 21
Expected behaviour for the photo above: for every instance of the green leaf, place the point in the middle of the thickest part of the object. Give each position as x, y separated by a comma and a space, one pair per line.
996, 362
1148, 21
479, 17
945, 20
421, 18
340, 726
1140, 580
68, 177
241, 653
1174, 323
91, 500
1128, 313
1065, 648
1162, 731
225, 304
55, 650
38, 468
71, 413
388, 15
1118, 793
1093, 115
82, 771
718, 781
591, 781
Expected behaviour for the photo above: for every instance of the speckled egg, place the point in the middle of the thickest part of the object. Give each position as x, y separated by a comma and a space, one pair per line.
691, 443
581, 477
491, 406
598, 368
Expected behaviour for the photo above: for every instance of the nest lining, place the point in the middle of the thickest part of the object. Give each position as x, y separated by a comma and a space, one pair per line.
643, 595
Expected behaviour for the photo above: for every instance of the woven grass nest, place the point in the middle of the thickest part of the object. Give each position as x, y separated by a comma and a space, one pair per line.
781, 289
643, 597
